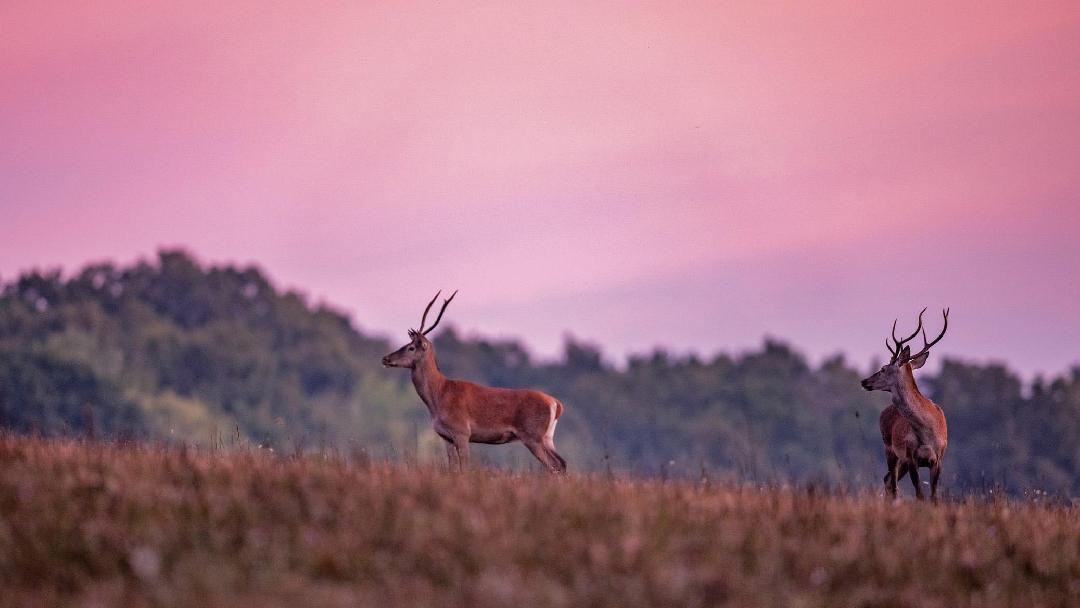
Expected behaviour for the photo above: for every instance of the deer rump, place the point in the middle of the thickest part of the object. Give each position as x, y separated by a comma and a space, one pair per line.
900, 439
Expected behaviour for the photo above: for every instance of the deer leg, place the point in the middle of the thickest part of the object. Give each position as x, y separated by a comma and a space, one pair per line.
935, 473
893, 474
461, 444
453, 462
901, 470
560, 462
915, 481
537, 449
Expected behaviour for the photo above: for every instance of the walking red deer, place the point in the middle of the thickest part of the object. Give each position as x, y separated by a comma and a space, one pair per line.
464, 412
912, 427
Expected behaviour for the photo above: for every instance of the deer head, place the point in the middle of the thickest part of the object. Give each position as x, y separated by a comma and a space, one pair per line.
419, 347
888, 377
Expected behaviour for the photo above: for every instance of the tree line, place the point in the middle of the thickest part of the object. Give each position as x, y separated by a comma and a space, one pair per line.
169, 349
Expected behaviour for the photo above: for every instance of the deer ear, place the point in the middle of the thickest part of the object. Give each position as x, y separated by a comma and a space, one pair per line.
918, 362
904, 355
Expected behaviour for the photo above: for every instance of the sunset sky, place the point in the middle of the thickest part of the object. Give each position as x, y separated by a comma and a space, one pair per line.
694, 177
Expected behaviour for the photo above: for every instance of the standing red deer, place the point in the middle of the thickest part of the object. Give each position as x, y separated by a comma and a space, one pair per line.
912, 427
464, 412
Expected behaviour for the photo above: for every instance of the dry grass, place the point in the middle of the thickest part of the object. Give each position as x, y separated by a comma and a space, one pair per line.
96, 524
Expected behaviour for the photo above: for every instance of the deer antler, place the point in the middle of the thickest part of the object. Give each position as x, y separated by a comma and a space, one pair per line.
894, 352
900, 343
927, 345
423, 319
446, 303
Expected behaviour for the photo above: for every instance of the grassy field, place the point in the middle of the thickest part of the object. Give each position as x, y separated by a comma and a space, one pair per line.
95, 524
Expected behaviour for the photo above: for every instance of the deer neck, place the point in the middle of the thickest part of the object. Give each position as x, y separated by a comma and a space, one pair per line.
428, 380
916, 408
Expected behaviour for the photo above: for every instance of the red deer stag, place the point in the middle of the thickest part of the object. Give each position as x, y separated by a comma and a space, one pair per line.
912, 427
464, 412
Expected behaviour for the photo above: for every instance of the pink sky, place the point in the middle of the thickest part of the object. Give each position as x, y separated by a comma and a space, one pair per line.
695, 177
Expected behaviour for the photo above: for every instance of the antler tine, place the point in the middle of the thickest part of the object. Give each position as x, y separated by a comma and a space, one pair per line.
446, 303
423, 319
900, 343
895, 353
944, 328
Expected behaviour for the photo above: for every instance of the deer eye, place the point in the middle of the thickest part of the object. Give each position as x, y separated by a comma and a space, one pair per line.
412, 348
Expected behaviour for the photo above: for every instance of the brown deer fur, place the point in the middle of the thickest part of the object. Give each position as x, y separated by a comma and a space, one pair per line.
913, 427
465, 412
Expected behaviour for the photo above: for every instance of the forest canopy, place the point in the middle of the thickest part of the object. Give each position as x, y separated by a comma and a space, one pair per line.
174, 350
